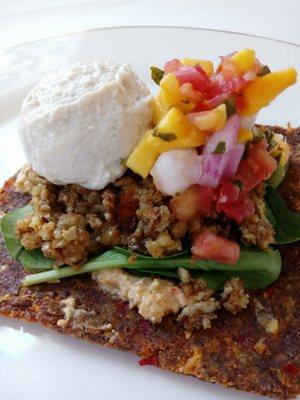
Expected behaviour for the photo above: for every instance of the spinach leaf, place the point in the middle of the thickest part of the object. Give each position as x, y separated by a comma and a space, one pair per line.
257, 268
277, 177
8, 228
286, 223
33, 261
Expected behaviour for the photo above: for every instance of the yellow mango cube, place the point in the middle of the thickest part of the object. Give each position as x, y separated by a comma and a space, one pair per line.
174, 131
143, 157
265, 89
171, 95
244, 59
207, 66
282, 149
245, 135
212, 120
160, 108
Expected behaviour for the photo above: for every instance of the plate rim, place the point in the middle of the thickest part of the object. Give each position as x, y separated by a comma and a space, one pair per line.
116, 27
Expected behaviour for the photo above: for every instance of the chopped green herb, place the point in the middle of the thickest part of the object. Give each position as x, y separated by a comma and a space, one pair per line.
272, 144
258, 135
220, 148
230, 106
265, 70
238, 183
156, 74
286, 223
167, 137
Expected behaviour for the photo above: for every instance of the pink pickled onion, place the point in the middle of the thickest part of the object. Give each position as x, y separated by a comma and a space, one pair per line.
217, 100
234, 158
217, 166
172, 66
194, 75
228, 135
212, 170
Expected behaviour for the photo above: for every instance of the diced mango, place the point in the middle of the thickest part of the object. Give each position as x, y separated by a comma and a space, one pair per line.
160, 108
244, 59
282, 149
207, 66
245, 135
143, 157
212, 120
175, 123
171, 95
262, 91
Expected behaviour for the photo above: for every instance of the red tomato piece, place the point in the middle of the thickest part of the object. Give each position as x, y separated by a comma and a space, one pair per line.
206, 196
208, 246
246, 176
240, 102
172, 66
229, 193
257, 167
196, 76
151, 360
238, 210
126, 208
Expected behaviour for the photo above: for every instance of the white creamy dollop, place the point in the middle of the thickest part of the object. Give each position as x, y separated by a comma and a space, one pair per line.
80, 123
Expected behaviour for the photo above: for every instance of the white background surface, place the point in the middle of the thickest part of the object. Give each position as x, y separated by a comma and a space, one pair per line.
24, 20
37, 364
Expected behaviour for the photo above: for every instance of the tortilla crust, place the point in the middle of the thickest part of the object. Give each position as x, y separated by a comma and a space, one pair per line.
236, 352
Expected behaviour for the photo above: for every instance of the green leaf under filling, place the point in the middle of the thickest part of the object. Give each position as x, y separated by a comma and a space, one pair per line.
258, 269
33, 261
285, 222
8, 225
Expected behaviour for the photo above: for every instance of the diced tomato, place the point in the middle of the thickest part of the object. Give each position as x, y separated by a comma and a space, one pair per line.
240, 101
208, 246
238, 210
228, 69
260, 160
246, 176
172, 66
257, 167
217, 100
196, 76
196, 200
229, 193
126, 208
291, 369
151, 360
206, 195
188, 90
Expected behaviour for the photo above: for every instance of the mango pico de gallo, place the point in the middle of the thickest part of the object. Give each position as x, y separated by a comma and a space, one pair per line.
202, 149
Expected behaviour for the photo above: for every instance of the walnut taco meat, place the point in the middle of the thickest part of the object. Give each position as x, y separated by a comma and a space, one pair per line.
176, 238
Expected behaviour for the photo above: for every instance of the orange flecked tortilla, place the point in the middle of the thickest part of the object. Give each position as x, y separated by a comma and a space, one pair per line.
236, 352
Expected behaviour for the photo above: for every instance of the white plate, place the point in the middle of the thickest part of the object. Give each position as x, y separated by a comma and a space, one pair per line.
34, 362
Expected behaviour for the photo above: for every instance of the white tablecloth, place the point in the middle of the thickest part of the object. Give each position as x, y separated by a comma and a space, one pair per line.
26, 20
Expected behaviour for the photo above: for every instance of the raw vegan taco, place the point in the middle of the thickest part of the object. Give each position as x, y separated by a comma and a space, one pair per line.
165, 226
